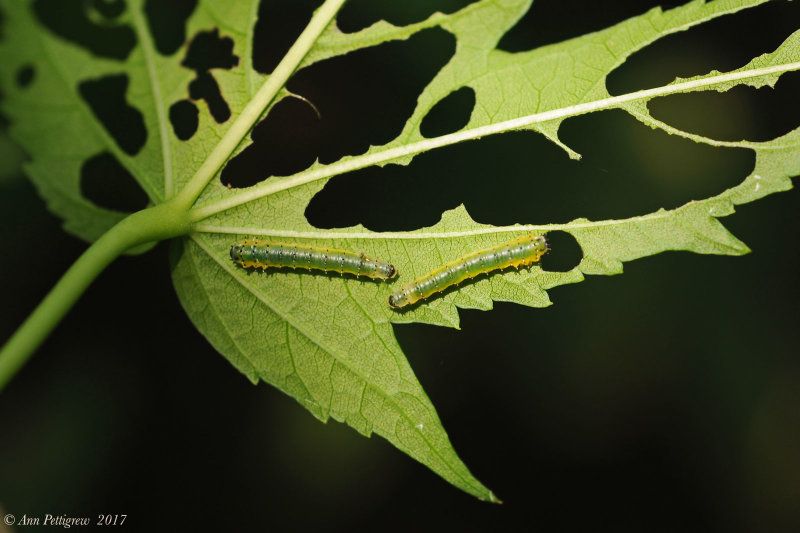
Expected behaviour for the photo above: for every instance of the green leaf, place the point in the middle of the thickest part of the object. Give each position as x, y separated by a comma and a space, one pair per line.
328, 341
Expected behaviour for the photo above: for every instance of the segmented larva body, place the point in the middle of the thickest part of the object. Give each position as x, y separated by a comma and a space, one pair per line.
522, 251
257, 253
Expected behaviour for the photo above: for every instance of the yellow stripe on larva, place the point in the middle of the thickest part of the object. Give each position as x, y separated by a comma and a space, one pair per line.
257, 253
521, 251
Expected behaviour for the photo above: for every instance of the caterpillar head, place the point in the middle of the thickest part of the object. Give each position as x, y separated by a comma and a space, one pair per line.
399, 299
390, 271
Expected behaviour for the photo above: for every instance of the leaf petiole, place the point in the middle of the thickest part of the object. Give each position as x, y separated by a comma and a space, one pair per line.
153, 224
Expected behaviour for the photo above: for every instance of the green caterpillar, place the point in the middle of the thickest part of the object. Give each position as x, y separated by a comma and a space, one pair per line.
257, 253
522, 251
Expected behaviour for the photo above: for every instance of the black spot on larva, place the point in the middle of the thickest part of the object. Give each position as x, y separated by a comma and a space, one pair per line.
564, 252
167, 22
70, 20
107, 99
106, 183
183, 116
25, 75
450, 114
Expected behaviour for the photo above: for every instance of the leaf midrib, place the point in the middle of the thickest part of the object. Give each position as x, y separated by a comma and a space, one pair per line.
350, 164
155, 89
206, 247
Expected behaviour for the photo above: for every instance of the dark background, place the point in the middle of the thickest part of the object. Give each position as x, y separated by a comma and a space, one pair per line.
663, 399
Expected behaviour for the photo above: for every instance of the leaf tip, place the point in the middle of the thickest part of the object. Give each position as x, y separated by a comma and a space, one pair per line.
494, 499
742, 248
575, 156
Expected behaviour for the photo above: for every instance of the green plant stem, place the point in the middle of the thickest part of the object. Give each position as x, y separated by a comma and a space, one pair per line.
156, 223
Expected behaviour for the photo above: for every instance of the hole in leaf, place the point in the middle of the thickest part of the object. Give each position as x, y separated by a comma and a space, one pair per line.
167, 22
359, 14
544, 23
631, 169
106, 97
108, 184
285, 142
363, 98
25, 75
279, 23
209, 51
740, 113
104, 11
205, 87
450, 114
564, 252
374, 90
183, 116
495, 178
628, 169
715, 45
77, 22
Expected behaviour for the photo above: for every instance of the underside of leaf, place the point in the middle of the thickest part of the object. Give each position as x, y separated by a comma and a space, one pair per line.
326, 340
